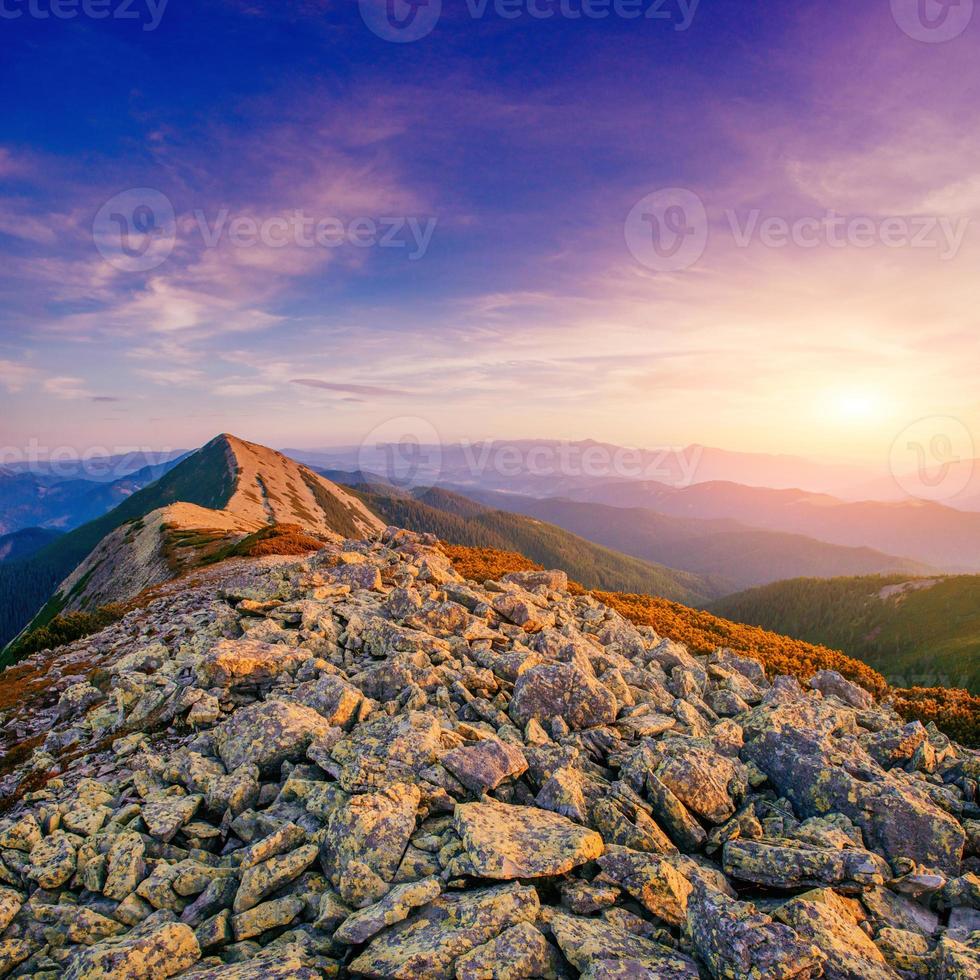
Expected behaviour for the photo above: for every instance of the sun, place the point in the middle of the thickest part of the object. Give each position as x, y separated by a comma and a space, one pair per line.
854, 405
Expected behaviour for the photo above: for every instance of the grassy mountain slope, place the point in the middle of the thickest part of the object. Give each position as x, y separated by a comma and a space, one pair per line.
732, 555
915, 631
23, 543
457, 520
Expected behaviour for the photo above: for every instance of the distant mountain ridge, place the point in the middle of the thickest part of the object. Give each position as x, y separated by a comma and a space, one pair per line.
734, 556
21, 544
925, 532
459, 520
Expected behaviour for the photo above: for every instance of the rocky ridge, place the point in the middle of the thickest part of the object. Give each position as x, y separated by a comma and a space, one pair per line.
360, 764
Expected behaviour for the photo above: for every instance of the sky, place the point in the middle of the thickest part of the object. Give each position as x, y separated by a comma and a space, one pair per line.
747, 225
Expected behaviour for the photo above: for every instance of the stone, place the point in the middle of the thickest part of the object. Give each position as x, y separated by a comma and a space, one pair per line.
154, 950
564, 691
518, 952
331, 696
652, 880
126, 866
10, 904
234, 663
484, 765
831, 684
897, 818
372, 829
394, 907
269, 915
791, 865
264, 879
165, 818
502, 841
53, 861
428, 943
268, 734
736, 941
850, 954
587, 943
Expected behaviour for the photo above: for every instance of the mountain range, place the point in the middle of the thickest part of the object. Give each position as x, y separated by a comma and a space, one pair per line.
694, 545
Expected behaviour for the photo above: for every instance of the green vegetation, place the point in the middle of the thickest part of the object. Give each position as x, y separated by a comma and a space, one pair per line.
61, 630
457, 520
917, 632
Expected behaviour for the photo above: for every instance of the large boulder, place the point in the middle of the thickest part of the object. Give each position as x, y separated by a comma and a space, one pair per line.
268, 734
565, 691
236, 663
820, 775
428, 944
503, 841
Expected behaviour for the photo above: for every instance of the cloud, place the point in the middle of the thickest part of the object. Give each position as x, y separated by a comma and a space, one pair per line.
106, 398
351, 389
67, 388
14, 376
240, 389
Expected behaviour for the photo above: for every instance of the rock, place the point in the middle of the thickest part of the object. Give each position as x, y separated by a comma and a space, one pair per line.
394, 907
502, 841
10, 905
484, 765
126, 866
589, 943
553, 580
564, 691
372, 830
831, 684
53, 861
279, 961
21, 835
262, 918
736, 941
268, 877
652, 880
851, 955
707, 783
517, 953
386, 751
154, 950
234, 663
522, 611
897, 818
77, 699
334, 698
429, 943
268, 734
165, 818
789, 865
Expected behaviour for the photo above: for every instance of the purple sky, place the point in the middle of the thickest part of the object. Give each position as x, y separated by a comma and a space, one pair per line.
501, 280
